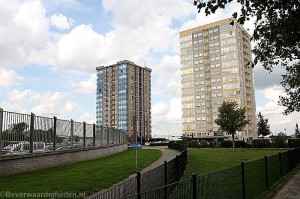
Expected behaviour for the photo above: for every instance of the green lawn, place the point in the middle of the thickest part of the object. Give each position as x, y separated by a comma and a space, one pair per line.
89, 176
203, 161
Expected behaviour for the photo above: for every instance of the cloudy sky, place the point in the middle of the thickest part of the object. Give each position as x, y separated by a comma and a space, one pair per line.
49, 51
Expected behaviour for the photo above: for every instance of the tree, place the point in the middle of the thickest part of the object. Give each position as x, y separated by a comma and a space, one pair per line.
231, 119
276, 34
297, 132
263, 127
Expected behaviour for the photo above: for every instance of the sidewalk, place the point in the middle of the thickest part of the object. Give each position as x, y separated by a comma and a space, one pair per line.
290, 190
167, 154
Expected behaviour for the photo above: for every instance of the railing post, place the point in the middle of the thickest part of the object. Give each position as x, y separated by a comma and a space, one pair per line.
138, 184
280, 165
290, 160
31, 133
72, 133
177, 167
108, 132
102, 137
1, 124
243, 180
194, 183
266, 172
166, 179
94, 134
84, 134
54, 132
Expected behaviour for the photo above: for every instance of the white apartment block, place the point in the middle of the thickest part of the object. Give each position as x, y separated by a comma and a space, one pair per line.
215, 68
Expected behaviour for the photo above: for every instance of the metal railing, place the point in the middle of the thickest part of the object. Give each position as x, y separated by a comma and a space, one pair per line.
23, 133
167, 173
247, 180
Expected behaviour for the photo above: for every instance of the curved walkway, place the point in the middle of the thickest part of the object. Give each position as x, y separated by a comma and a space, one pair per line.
167, 154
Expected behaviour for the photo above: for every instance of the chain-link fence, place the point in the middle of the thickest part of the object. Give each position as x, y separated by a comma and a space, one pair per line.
247, 180
23, 133
168, 173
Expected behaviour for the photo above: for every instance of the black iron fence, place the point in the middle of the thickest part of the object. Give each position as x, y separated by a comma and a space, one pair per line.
167, 173
22, 133
247, 180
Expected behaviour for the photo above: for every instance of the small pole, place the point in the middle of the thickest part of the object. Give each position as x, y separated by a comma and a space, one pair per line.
72, 133
1, 124
54, 133
280, 165
194, 182
138, 181
166, 178
243, 180
31, 133
94, 135
84, 134
290, 160
266, 172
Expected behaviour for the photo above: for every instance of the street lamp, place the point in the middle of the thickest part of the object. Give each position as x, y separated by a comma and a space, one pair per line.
285, 131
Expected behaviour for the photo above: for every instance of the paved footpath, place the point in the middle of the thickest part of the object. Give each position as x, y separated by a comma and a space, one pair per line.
166, 155
290, 190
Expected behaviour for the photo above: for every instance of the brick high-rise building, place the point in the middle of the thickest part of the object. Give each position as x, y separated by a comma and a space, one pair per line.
124, 98
214, 68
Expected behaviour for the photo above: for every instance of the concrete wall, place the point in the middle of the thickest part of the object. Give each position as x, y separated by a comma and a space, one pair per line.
10, 165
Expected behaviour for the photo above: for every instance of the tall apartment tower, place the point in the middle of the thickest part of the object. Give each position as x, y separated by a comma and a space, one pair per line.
124, 98
214, 68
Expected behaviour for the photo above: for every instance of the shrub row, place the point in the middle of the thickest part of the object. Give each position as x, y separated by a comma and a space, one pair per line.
279, 142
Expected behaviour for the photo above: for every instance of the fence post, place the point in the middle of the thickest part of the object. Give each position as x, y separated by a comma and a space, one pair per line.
243, 180
166, 179
102, 137
290, 161
266, 172
177, 167
31, 133
84, 134
1, 124
280, 165
94, 134
54, 133
138, 184
108, 128
72, 133
194, 183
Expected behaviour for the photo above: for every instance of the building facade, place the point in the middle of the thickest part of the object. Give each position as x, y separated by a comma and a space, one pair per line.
123, 98
215, 67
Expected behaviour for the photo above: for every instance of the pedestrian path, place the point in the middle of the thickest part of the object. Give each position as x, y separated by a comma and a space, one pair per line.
166, 155
290, 190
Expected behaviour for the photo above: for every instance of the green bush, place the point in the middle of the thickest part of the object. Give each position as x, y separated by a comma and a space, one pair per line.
261, 143
240, 144
158, 144
177, 145
194, 144
293, 143
226, 144
203, 144
279, 142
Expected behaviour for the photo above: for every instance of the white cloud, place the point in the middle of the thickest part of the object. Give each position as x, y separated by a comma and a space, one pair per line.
167, 74
61, 22
167, 117
88, 86
9, 77
23, 29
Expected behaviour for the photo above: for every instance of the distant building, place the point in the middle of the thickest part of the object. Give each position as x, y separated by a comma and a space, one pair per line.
124, 98
214, 68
